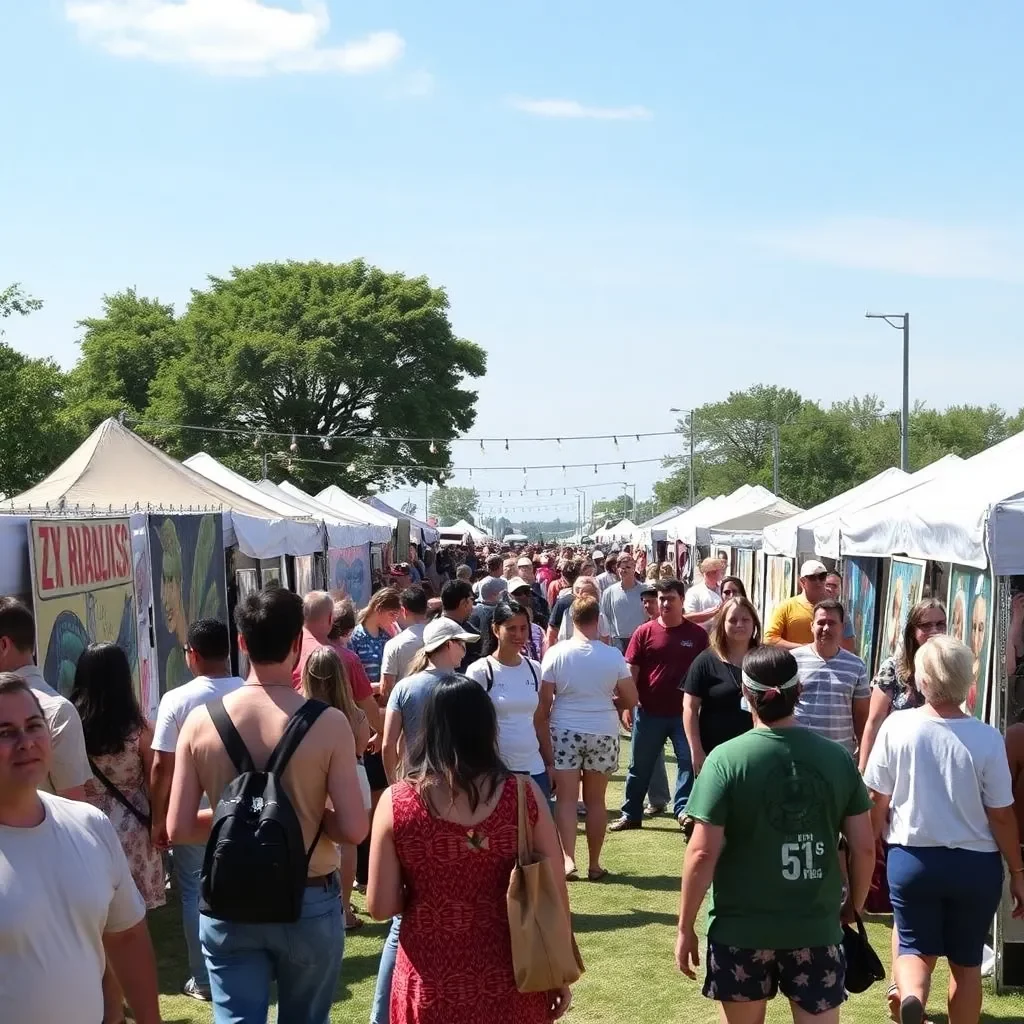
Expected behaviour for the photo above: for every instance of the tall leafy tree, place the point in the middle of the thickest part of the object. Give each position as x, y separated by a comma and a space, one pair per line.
15, 301
450, 504
122, 352
347, 352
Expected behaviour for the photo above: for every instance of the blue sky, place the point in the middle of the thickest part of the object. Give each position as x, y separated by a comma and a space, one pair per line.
632, 206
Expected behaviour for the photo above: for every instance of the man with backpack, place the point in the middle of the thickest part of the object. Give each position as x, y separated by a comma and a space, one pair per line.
269, 761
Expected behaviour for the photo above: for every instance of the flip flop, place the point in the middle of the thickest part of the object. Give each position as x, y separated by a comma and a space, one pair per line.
596, 876
355, 925
572, 876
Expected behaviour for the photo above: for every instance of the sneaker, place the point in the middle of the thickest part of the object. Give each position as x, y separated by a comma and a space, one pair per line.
653, 810
193, 991
625, 825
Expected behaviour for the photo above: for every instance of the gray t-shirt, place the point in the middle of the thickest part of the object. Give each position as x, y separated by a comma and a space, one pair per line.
623, 609
409, 699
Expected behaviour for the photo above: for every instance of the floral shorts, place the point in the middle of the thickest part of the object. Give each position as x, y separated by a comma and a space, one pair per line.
812, 978
584, 750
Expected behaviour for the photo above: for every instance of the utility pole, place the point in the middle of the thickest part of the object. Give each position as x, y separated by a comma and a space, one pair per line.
905, 418
691, 458
775, 458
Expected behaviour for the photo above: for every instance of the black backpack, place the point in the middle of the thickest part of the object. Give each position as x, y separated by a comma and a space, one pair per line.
489, 672
256, 862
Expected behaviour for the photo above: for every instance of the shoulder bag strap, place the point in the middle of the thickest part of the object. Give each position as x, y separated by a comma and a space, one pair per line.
533, 672
489, 672
143, 819
233, 742
294, 732
524, 821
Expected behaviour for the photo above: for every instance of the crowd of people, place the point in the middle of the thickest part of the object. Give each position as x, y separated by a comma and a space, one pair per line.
379, 748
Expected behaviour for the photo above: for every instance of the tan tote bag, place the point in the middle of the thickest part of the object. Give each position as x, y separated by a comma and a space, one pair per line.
544, 952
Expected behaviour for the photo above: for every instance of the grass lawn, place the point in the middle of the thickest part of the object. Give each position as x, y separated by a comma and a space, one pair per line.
625, 926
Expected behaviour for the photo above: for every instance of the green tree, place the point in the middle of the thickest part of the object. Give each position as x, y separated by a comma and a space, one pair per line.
346, 352
613, 508
122, 352
37, 435
14, 300
450, 504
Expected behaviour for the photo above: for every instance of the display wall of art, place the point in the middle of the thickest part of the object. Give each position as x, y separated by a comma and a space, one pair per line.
188, 564
860, 597
969, 615
82, 592
906, 579
349, 570
779, 574
743, 567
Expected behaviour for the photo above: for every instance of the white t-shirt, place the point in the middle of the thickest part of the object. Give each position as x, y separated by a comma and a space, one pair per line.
941, 774
63, 885
567, 629
176, 704
515, 694
584, 674
400, 650
701, 598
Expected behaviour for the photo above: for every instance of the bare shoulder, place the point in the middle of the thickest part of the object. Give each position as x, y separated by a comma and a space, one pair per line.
1015, 739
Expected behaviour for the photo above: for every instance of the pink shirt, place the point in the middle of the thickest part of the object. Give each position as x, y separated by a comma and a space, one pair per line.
357, 677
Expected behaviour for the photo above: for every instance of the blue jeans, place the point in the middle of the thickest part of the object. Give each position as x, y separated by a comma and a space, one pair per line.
543, 781
304, 958
188, 861
658, 794
380, 1012
649, 735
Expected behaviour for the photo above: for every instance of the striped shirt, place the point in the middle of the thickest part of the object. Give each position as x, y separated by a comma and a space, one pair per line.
828, 690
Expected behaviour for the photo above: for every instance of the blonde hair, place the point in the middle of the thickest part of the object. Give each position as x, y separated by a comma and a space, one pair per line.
585, 610
711, 564
585, 585
652, 573
944, 670
386, 599
666, 571
718, 640
324, 678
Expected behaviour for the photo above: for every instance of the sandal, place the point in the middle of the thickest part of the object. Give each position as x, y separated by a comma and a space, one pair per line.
355, 925
596, 876
892, 999
572, 876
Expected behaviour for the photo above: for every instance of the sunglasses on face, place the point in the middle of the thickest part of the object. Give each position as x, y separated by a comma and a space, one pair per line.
819, 576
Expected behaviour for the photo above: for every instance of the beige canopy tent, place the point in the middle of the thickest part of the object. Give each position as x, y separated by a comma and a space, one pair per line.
114, 471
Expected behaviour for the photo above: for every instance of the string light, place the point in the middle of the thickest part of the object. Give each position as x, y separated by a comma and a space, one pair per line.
433, 448
506, 444
294, 445
327, 444
483, 450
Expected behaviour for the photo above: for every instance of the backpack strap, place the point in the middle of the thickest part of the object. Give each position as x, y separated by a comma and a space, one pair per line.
294, 732
489, 673
233, 742
533, 672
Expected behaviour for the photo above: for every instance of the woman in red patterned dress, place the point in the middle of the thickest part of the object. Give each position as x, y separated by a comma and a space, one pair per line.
444, 844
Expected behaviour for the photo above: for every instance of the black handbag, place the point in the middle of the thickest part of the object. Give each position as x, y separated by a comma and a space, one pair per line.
863, 968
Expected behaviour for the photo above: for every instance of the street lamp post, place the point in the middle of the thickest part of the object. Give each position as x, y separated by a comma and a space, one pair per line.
690, 424
905, 419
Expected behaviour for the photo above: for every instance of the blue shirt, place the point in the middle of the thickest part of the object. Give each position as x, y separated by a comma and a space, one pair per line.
370, 650
409, 698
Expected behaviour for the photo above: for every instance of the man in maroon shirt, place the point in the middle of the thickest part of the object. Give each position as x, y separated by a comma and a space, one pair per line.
660, 654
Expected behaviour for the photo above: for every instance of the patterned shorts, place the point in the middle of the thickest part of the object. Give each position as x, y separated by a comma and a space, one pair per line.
812, 978
585, 750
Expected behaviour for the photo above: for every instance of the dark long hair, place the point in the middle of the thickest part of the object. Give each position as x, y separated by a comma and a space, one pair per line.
105, 700
458, 742
771, 666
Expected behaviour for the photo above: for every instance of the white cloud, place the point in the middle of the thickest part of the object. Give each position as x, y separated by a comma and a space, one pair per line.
235, 37
577, 110
903, 247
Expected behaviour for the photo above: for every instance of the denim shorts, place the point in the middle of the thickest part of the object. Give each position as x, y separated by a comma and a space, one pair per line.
813, 978
944, 900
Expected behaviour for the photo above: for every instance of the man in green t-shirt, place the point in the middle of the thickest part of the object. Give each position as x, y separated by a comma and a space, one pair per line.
769, 808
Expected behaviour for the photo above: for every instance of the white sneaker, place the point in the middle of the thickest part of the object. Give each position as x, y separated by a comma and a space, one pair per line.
192, 990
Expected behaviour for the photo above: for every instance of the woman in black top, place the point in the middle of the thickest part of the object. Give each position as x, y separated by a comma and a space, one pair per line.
712, 690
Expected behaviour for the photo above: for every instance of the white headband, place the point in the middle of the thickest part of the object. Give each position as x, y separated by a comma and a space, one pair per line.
753, 684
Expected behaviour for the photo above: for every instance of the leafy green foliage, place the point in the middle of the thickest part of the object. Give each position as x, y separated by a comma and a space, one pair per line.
822, 451
345, 351
450, 504
14, 300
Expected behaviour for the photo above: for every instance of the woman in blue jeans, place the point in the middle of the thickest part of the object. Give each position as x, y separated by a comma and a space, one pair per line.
944, 803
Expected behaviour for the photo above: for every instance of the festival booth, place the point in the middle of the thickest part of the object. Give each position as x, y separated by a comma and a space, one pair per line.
419, 532
455, 533
621, 533
652, 535
967, 523
116, 518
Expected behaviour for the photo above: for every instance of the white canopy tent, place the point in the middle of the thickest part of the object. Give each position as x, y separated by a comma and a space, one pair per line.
653, 530
458, 530
795, 535
826, 532
342, 530
115, 472
419, 531
746, 519
621, 533
950, 517
702, 511
355, 510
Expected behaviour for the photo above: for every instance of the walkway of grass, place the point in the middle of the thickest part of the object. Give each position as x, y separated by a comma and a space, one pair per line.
626, 931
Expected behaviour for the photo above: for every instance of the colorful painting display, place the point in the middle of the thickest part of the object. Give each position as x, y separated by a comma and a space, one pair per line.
906, 578
743, 566
970, 618
860, 585
149, 685
350, 573
82, 593
778, 583
188, 560
304, 575
728, 558
757, 593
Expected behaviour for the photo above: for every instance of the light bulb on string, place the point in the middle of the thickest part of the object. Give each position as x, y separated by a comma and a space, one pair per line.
506, 444
558, 441
483, 450
595, 468
326, 442
294, 446
615, 440
433, 448
256, 441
